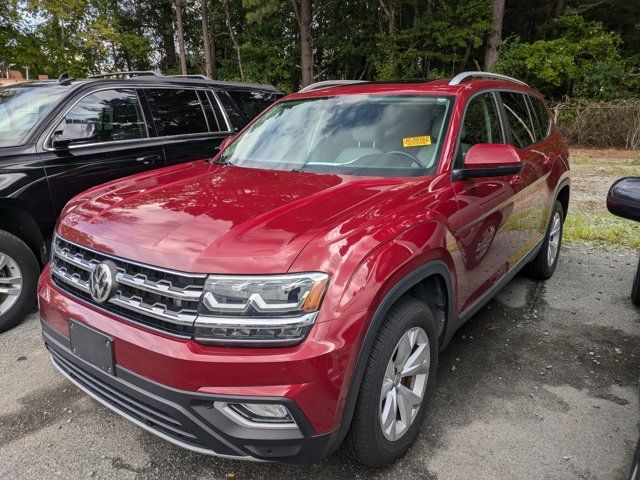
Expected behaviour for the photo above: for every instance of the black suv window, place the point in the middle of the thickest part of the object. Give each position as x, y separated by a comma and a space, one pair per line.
520, 123
252, 102
544, 121
481, 123
176, 111
114, 115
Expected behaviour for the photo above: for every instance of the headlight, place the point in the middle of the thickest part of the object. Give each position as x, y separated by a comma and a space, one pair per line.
259, 310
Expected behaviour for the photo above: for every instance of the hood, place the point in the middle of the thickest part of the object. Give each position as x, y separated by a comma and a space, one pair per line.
206, 218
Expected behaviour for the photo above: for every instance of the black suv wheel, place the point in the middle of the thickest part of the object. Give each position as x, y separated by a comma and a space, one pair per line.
18, 278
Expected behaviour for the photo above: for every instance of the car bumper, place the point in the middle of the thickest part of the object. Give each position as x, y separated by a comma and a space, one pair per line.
169, 386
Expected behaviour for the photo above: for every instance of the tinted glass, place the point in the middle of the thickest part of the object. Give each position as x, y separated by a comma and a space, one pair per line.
481, 123
520, 123
21, 108
114, 114
252, 102
351, 134
208, 110
176, 111
236, 117
542, 115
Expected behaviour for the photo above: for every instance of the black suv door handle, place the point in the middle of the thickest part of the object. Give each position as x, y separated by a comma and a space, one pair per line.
148, 159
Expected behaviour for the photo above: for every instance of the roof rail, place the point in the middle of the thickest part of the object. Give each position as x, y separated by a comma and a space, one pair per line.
195, 75
132, 73
461, 77
329, 84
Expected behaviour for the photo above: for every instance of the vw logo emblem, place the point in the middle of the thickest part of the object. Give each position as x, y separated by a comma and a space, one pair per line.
102, 281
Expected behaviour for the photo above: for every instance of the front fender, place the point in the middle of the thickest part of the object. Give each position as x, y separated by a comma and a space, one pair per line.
389, 263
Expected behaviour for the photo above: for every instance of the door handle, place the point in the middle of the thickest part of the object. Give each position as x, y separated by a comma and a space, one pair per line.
148, 159
515, 180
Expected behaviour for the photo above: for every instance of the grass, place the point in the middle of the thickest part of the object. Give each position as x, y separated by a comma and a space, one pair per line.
593, 171
601, 228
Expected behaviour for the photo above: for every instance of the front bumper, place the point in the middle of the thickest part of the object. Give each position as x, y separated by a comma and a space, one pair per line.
184, 418
168, 385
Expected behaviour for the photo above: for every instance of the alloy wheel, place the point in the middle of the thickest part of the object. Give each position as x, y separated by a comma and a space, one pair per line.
404, 383
554, 238
10, 282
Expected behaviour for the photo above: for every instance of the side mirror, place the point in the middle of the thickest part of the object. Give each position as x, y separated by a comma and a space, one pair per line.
226, 142
623, 199
489, 160
68, 133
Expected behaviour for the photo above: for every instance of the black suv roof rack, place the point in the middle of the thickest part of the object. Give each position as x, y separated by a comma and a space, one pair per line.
194, 75
329, 84
132, 73
461, 77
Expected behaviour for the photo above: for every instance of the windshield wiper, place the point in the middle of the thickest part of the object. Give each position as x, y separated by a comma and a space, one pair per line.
220, 161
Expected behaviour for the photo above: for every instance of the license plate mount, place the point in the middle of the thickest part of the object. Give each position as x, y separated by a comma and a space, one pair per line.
92, 346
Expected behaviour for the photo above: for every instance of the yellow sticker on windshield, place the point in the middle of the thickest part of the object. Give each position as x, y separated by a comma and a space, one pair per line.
416, 141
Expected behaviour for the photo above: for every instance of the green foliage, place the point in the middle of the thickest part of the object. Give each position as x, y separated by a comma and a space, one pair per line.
583, 61
587, 52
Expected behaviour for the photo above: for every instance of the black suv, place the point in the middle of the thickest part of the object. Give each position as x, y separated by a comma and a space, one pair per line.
58, 138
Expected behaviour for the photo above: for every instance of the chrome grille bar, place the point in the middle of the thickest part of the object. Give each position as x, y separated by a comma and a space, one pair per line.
155, 311
158, 288
69, 279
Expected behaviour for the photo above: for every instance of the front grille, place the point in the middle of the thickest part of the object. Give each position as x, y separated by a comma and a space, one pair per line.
154, 418
164, 300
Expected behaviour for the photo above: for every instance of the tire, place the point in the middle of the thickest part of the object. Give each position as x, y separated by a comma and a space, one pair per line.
635, 289
18, 278
366, 441
540, 268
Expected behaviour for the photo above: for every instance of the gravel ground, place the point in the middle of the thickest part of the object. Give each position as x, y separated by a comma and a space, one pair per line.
541, 384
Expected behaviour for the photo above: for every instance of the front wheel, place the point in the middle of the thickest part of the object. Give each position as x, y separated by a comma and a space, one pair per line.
18, 277
545, 262
397, 384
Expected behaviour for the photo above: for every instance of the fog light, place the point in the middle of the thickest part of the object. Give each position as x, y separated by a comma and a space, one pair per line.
258, 415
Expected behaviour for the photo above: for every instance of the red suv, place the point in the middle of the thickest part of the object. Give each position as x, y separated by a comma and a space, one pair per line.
294, 292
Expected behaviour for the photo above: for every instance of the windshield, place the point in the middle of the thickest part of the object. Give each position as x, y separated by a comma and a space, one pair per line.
21, 108
353, 134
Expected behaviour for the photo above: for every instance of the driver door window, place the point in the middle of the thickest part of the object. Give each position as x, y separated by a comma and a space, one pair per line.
481, 124
107, 116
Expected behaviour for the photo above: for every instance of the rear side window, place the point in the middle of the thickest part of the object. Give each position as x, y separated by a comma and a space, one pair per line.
212, 121
520, 123
113, 115
236, 116
544, 121
481, 123
176, 111
252, 102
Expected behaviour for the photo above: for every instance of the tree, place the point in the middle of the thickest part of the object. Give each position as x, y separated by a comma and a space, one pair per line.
183, 56
233, 37
303, 12
495, 36
206, 41
583, 61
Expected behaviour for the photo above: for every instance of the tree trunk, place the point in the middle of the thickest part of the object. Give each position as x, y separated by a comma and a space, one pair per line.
234, 40
560, 4
214, 58
304, 14
495, 36
206, 41
390, 13
183, 56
